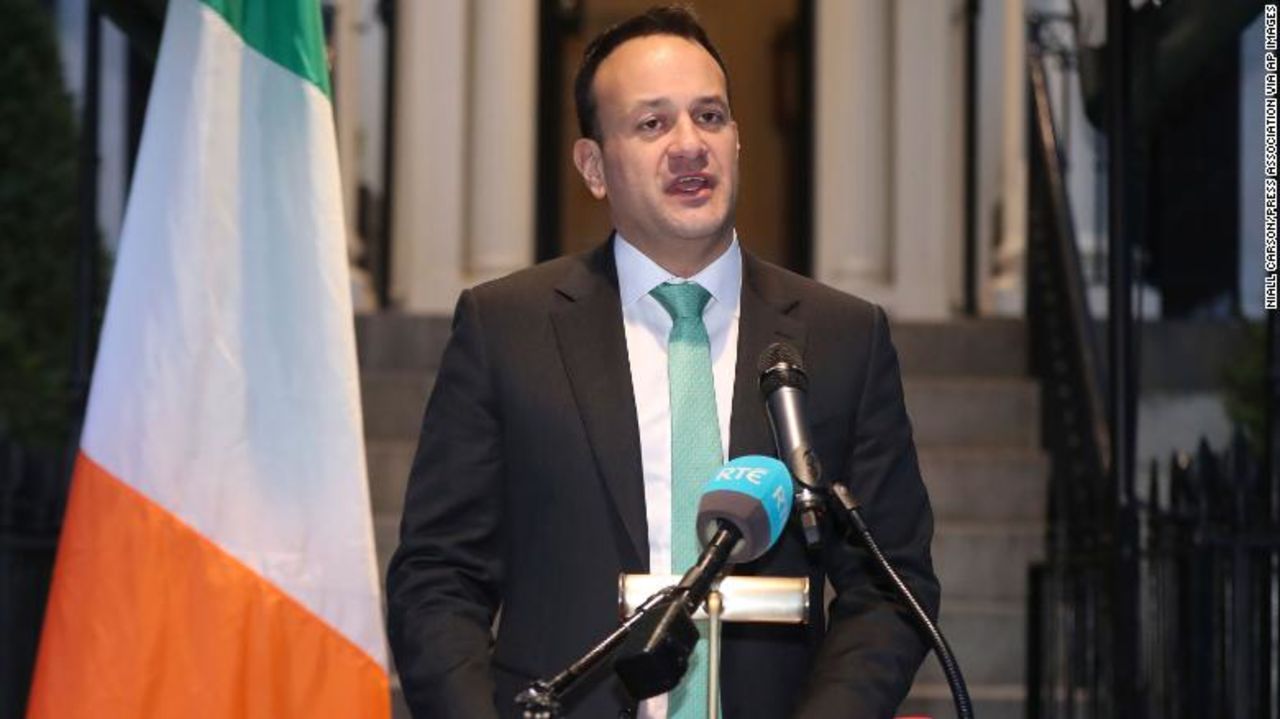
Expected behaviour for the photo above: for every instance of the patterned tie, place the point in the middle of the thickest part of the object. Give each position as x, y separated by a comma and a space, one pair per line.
695, 455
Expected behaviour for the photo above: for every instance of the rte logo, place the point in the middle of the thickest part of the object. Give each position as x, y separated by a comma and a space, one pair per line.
752, 474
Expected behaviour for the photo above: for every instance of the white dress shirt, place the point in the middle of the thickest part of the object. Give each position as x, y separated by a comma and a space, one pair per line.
647, 327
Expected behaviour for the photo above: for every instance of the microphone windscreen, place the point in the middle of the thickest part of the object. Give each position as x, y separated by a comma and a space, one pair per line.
752, 493
779, 353
781, 366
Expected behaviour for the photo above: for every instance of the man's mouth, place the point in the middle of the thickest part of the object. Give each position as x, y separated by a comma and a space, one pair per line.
691, 186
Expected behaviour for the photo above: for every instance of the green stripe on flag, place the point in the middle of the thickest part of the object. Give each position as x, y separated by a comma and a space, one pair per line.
288, 32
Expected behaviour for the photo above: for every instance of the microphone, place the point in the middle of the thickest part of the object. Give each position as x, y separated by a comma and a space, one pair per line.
741, 513
784, 383
752, 493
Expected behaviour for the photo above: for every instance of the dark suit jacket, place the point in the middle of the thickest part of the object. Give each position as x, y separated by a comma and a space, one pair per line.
526, 494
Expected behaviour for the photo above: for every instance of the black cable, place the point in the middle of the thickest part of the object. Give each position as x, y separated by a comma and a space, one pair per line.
959, 692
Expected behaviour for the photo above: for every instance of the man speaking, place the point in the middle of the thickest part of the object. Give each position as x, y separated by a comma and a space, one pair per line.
582, 403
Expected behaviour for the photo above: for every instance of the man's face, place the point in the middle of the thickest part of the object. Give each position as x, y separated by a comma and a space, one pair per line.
668, 162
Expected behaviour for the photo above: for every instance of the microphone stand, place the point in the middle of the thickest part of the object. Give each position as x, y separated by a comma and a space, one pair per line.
845, 502
541, 699
657, 662
657, 665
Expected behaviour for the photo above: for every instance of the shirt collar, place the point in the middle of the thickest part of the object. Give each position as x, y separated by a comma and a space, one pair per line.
637, 274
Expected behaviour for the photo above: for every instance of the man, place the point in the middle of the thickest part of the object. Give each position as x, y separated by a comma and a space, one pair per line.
580, 402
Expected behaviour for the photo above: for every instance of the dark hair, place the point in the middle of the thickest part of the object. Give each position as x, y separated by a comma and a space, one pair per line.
667, 20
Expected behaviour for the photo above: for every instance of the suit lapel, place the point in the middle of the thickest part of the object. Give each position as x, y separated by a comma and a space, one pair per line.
764, 318
592, 342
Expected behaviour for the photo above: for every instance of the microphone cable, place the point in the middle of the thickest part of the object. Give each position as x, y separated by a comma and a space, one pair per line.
950, 668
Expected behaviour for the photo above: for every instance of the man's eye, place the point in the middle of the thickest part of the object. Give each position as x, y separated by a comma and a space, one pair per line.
650, 124
711, 117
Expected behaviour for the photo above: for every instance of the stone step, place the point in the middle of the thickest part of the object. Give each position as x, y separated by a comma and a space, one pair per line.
974, 558
397, 341
925, 700
974, 411
981, 347
996, 411
393, 402
963, 484
978, 568
944, 412
986, 561
987, 638
389, 461
986, 483
990, 701
987, 347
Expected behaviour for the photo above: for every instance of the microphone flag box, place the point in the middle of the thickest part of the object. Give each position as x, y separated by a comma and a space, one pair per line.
752, 493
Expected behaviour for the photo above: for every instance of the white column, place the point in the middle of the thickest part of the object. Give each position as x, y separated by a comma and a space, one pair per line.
372, 98
853, 189
347, 79
346, 88
429, 183
464, 148
503, 136
928, 143
1008, 288
990, 118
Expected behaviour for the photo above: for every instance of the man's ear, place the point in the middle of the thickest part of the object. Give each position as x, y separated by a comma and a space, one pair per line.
589, 159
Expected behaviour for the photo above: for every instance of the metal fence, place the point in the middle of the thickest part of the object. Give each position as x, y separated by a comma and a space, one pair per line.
1159, 596
1208, 562
32, 496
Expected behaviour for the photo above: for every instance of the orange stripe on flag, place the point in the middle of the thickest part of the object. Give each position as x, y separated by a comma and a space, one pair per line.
147, 618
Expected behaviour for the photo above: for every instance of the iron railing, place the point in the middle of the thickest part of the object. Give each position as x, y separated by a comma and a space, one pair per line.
1155, 601
32, 495
1069, 618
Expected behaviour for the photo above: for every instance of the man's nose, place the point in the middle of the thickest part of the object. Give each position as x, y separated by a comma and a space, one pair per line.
687, 143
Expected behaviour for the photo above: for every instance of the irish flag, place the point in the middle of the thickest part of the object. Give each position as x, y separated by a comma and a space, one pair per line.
217, 558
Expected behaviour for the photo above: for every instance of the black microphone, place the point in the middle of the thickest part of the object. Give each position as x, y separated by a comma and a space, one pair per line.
783, 383
741, 513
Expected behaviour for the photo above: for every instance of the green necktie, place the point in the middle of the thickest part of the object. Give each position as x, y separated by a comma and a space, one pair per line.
695, 455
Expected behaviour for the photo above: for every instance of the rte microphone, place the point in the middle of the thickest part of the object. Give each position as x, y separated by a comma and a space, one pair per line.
751, 493
741, 513
784, 383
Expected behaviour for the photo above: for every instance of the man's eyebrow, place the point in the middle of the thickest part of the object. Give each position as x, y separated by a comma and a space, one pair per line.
651, 103
661, 102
